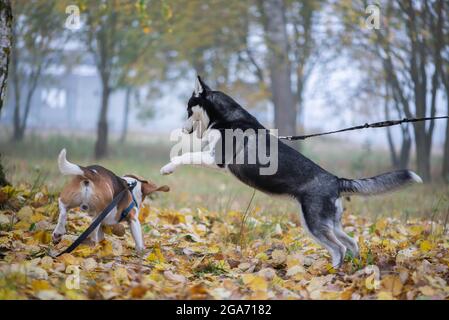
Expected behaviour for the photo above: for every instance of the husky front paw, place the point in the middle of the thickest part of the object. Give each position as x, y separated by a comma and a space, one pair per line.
168, 168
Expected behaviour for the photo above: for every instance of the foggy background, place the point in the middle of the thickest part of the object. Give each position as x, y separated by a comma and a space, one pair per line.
124, 70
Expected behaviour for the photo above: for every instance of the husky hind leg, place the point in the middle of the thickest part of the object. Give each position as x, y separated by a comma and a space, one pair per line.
318, 216
346, 240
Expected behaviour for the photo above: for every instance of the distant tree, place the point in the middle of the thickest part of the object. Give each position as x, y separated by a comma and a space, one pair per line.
409, 44
139, 98
141, 72
5, 49
5, 46
399, 158
37, 27
126, 115
208, 35
307, 45
117, 33
276, 40
376, 88
423, 44
442, 36
260, 50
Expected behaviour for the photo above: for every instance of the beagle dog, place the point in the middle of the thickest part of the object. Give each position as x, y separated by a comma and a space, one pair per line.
92, 188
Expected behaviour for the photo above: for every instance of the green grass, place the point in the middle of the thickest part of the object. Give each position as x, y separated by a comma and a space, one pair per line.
35, 158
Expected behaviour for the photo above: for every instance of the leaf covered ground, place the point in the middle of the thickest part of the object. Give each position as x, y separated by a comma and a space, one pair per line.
194, 253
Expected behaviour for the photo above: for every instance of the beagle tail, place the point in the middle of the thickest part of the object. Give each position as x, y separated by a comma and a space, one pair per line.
66, 167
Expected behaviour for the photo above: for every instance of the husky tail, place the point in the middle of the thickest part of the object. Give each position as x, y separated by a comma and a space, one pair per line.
379, 184
66, 167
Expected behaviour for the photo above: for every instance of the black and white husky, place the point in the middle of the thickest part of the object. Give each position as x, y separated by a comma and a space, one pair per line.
212, 113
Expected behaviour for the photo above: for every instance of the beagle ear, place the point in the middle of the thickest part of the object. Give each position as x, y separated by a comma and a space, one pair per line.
163, 188
149, 187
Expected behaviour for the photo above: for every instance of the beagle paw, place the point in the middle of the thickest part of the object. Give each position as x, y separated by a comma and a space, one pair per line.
57, 234
140, 251
89, 242
56, 237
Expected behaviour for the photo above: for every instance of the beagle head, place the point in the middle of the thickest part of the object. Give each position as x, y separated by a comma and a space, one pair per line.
146, 187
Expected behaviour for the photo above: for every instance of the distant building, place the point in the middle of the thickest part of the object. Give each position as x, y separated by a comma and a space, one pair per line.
68, 100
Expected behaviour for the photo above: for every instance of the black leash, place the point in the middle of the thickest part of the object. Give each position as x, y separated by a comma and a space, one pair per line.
99, 218
381, 124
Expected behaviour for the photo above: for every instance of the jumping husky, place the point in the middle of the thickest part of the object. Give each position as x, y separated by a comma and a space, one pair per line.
318, 192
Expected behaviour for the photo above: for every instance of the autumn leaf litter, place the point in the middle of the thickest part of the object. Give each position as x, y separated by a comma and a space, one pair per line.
193, 253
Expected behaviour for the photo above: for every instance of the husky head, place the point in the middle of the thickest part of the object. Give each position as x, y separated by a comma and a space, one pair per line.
207, 106
197, 118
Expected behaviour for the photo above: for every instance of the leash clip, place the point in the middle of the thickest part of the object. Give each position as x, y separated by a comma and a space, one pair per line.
133, 203
131, 185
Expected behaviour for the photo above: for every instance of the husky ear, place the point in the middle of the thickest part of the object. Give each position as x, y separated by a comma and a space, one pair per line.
200, 87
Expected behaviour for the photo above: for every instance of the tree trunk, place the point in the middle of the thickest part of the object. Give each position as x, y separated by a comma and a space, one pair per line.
445, 172
301, 110
3, 181
17, 132
404, 157
417, 60
402, 160
444, 74
17, 135
301, 106
20, 120
398, 160
422, 151
391, 147
126, 115
101, 145
5, 48
281, 87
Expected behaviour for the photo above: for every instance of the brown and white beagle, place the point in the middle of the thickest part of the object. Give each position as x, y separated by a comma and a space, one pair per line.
92, 188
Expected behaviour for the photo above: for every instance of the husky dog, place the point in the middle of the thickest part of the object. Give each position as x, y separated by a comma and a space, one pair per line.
316, 190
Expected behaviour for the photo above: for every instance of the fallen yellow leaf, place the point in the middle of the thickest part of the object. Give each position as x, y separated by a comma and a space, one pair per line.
426, 246
68, 259
385, 295
22, 225
331, 295
254, 282
37, 217
427, 290
106, 249
39, 285
138, 292
83, 251
393, 284
120, 276
42, 236
25, 214
156, 256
